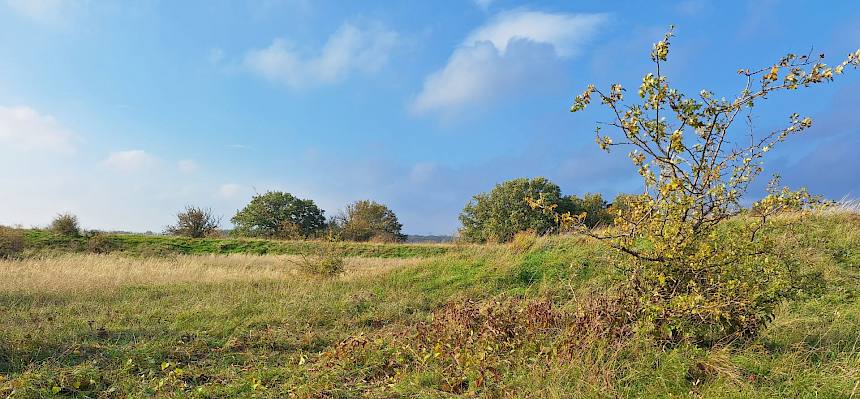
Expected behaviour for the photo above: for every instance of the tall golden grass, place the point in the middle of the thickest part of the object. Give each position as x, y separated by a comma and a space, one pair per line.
83, 273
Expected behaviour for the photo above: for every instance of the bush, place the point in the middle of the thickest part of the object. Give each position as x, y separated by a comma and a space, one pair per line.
194, 222
99, 243
11, 243
368, 220
327, 261
66, 224
697, 275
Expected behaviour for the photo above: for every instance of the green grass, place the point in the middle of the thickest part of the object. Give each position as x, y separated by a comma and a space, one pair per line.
360, 335
42, 242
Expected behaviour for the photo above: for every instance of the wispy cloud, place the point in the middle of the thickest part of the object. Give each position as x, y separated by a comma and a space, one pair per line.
422, 171
567, 33
349, 50
187, 166
46, 11
230, 190
513, 48
24, 129
129, 161
216, 55
691, 7
484, 4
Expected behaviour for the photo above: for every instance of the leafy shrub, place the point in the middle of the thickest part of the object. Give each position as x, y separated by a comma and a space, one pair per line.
523, 241
326, 261
368, 220
277, 214
11, 243
66, 224
100, 243
194, 222
696, 277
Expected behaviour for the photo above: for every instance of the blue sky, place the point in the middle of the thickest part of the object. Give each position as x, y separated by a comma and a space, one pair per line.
122, 112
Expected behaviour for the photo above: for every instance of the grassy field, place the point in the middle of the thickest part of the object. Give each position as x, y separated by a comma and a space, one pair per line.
519, 320
41, 242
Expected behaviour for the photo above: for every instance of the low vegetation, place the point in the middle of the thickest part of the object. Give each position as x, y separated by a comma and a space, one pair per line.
66, 224
11, 243
535, 318
37, 243
195, 222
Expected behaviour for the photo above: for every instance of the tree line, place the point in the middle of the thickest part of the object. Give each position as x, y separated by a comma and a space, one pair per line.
281, 215
495, 216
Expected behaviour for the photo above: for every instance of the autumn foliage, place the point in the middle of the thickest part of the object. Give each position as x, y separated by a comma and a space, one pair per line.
697, 276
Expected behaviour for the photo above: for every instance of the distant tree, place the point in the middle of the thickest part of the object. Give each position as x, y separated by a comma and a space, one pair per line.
498, 215
194, 222
277, 214
368, 220
66, 224
595, 208
623, 204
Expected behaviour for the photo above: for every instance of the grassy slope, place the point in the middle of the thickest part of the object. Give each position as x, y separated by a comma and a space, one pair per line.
40, 241
274, 337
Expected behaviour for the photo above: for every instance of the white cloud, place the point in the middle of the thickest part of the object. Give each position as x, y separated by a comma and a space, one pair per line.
422, 171
230, 190
512, 49
483, 3
216, 55
24, 129
350, 49
187, 166
691, 7
565, 32
49, 11
129, 161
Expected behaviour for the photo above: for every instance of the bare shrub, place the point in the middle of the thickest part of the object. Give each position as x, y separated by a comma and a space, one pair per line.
194, 222
326, 260
11, 243
100, 243
66, 224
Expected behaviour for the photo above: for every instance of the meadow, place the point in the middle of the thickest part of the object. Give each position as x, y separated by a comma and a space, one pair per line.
525, 319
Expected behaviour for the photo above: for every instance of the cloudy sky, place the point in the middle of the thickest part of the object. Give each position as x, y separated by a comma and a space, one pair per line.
122, 112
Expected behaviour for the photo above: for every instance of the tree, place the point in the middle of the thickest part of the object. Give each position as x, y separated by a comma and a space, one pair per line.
595, 208
696, 276
368, 220
279, 215
498, 215
66, 224
194, 222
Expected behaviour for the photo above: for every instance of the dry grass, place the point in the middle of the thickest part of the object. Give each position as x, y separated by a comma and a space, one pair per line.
83, 273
